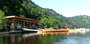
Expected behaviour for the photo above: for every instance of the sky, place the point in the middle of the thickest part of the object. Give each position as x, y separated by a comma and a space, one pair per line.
67, 8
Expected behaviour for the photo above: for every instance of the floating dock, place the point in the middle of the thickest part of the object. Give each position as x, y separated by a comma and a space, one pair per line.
58, 31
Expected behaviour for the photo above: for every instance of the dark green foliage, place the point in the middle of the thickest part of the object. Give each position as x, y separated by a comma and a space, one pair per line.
10, 7
2, 19
26, 8
47, 17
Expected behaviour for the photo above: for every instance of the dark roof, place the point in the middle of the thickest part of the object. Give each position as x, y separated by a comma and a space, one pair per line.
23, 19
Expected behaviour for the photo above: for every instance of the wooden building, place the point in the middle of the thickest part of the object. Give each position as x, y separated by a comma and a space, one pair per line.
14, 22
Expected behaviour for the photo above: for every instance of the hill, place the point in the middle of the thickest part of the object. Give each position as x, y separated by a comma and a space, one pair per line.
28, 9
81, 21
47, 17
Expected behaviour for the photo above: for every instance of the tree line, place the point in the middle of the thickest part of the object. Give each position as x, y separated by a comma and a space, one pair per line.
28, 9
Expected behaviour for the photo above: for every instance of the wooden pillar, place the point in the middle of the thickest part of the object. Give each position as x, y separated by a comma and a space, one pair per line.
24, 24
21, 23
29, 25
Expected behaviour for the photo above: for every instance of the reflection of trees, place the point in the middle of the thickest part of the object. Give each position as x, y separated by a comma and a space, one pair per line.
37, 39
49, 39
2, 41
19, 39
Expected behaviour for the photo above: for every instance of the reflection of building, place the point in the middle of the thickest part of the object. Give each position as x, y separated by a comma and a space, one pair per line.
14, 22
19, 39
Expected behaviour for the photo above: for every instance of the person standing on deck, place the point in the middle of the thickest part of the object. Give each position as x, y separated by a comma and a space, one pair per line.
12, 27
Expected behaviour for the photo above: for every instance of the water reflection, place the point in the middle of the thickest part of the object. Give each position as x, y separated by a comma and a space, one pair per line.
27, 39
46, 39
20, 39
76, 39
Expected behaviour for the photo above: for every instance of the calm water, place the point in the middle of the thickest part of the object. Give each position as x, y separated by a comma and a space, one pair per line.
45, 39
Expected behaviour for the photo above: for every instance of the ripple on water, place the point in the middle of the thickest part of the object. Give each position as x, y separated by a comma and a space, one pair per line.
68, 41
75, 40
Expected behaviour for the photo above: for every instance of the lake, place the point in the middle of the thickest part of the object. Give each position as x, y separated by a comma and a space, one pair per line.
45, 39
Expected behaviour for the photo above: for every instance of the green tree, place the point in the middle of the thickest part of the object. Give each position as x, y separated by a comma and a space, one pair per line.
2, 19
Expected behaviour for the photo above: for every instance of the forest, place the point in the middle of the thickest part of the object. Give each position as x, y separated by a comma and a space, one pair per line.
47, 17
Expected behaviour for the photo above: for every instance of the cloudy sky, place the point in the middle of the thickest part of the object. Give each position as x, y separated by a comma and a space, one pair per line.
67, 8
